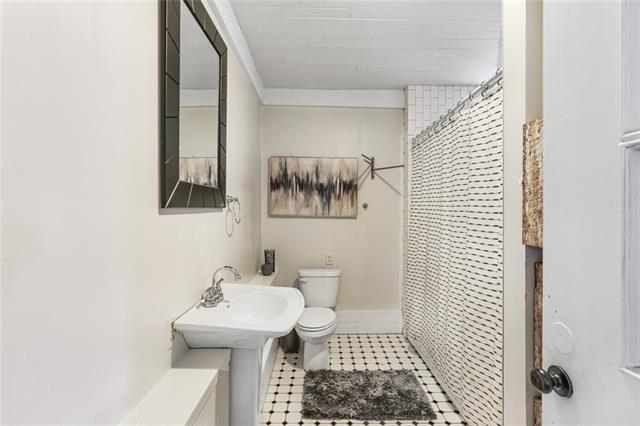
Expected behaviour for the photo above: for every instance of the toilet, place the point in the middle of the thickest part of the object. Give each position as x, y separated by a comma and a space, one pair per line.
318, 321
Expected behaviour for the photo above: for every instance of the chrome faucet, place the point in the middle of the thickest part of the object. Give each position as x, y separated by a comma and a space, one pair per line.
212, 296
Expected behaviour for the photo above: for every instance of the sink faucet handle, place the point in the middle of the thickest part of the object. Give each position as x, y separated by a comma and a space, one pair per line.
217, 286
212, 296
206, 297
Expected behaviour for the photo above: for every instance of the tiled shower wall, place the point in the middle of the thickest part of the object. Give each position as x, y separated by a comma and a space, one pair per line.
425, 104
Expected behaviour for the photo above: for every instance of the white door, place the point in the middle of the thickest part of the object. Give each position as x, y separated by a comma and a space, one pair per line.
584, 323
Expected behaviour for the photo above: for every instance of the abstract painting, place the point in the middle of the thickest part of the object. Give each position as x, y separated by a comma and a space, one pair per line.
314, 187
199, 170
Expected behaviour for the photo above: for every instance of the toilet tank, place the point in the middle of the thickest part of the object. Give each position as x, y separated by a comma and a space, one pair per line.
319, 287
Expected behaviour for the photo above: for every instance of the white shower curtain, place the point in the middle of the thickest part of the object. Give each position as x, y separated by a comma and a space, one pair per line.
453, 291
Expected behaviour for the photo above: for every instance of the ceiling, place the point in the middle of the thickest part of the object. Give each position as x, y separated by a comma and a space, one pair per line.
370, 44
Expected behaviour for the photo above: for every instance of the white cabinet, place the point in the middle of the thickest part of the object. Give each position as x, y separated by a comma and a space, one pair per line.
218, 359
194, 392
207, 415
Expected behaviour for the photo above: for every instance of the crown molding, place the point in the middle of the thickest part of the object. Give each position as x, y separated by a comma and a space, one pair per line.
335, 98
228, 25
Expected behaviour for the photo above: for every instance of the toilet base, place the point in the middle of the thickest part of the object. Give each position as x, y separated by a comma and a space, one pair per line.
316, 356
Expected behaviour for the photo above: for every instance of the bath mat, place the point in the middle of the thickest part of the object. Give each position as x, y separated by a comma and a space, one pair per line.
364, 395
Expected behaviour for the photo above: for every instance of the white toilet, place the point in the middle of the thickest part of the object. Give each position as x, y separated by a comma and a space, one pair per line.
318, 321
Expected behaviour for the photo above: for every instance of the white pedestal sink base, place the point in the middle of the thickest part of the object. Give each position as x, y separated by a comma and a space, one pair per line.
245, 377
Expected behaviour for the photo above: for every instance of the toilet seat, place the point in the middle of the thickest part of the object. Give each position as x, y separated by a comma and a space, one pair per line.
316, 319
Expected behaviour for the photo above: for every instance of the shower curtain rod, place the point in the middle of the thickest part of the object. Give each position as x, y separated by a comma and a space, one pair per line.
453, 113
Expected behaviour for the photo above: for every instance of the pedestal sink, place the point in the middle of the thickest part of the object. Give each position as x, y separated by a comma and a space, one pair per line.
249, 315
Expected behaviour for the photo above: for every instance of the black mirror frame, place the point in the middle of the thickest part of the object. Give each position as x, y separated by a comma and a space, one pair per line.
173, 192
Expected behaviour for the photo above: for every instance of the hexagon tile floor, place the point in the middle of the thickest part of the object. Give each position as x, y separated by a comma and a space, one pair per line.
283, 402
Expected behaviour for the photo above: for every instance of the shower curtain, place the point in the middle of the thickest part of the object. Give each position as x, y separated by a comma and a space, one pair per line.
452, 300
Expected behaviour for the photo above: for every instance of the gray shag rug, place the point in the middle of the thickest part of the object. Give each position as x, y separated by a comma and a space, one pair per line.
365, 395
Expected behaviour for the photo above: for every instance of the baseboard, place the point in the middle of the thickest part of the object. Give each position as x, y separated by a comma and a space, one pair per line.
369, 322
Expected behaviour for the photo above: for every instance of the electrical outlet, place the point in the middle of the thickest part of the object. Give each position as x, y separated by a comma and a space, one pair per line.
328, 259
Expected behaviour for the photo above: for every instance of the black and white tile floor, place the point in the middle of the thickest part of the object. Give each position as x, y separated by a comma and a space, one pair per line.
283, 402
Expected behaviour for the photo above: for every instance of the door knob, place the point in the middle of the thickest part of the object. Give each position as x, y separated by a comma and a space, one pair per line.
555, 378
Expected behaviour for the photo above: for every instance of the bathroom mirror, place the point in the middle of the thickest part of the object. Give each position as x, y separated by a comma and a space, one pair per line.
193, 95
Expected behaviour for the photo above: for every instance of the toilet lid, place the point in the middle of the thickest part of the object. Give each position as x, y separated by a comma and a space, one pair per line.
316, 318
319, 272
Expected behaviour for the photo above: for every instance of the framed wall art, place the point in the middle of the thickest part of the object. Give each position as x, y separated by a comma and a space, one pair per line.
313, 187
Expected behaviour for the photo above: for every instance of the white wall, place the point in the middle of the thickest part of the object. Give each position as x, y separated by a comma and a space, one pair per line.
91, 271
367, 249
517, 338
